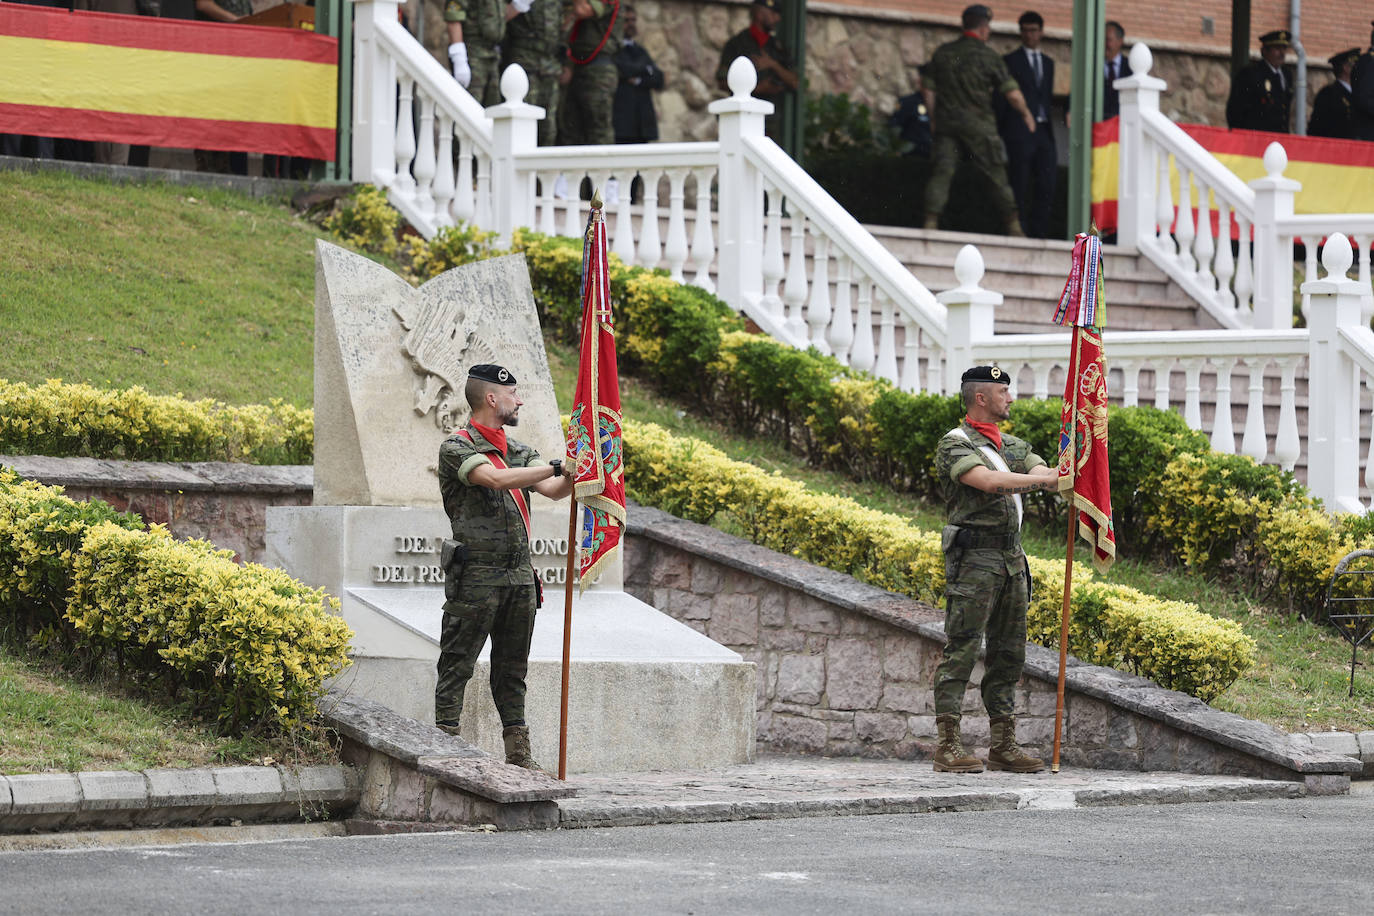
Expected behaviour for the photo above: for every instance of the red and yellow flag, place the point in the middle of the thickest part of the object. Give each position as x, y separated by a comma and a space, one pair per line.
595, 442
167, 82
1083, 470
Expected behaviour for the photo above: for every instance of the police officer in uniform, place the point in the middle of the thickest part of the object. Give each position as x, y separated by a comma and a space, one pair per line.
475, 29
534, 40
960, 83
589, 75
1331, 116
490, 586
983, 472
1262, 93
1362, 94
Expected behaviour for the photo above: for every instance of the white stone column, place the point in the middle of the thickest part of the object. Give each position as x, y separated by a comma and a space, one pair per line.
1333, 388
1135, 199
1273, 253
739, 277
970, 317
514, 129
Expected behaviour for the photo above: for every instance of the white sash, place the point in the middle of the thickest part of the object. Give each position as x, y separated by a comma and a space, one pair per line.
997, 462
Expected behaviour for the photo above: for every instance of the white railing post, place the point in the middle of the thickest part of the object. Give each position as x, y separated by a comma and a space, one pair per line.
970, 315
1136, 183
739, 277
1273, 253
374, 95
514, 129
1333, 387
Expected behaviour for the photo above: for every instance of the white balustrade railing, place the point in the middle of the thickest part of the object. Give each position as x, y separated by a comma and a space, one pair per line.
1185, 225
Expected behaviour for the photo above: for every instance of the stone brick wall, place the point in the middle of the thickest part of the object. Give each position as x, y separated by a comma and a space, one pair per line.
846, 669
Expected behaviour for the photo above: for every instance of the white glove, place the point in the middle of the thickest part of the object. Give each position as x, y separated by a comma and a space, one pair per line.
458, 55
522, 6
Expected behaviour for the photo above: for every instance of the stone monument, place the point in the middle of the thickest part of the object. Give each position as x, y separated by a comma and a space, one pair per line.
646, 692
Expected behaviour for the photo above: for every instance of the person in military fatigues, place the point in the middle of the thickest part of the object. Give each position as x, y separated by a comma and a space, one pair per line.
475, 30
1262, 94
1331, 113
1362, 94
534, 40
776, 71
490, 587
982, 473
960, 82
590, 76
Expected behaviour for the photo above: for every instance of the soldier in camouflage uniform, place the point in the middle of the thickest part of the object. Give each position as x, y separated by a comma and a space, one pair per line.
591, 76
491, 589
475, 30
960, 83
982, 472
535, 41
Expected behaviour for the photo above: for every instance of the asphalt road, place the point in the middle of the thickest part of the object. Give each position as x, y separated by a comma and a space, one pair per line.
1309, 855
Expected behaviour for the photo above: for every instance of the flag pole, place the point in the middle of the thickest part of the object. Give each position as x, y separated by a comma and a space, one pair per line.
567, 639
1064, 636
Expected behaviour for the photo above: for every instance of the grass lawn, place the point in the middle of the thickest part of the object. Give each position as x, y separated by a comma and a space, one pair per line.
211, 294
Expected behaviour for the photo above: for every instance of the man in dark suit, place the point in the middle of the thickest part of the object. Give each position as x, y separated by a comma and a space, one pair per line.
1331, 114
1032, 164
1262, 94
634, 117
1362, 94
1115, 66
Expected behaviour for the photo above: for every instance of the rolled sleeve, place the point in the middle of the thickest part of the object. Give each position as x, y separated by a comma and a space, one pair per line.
467, 464
963, 465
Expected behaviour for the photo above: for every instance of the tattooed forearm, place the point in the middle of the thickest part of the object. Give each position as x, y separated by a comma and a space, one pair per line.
1028, 488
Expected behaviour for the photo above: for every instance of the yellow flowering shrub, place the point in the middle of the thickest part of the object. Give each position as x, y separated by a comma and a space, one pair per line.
62, 419
1109, 624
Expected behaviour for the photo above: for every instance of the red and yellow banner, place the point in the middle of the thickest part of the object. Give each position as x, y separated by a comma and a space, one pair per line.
595, 440
167, 82
1335, 174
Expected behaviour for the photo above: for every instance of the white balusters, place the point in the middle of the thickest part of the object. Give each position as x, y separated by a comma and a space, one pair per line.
424, 160
703, 240
842, 325
484, 215
818, 308
1163, 367
1040, 373
405, 136
1183, 226
650, 249
1225, 266
1164, 205
1192, 392
887, 344
1287, 445
548, 205
911, 355
443, 178
624, 246
1245, 273
1223, 435
1310, 274
1203, 248
675, 250
572, 212
1369, 451
1255, 442
862, 356
464, 206
772, 254
1130, 382
794, 293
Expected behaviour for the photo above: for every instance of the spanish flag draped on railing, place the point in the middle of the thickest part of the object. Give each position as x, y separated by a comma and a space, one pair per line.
167, 82
595, 441
1084, 479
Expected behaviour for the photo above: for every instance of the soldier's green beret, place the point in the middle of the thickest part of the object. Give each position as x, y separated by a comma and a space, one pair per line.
497, 375
1277, 37
1350, 55
986, 374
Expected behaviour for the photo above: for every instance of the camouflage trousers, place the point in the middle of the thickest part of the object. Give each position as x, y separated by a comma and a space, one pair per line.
586, 110
983, 150
506, 614
486, 78
982, 598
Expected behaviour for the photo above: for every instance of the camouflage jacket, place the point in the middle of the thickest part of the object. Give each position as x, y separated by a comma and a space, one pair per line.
965, 76
487, 521
969, 507
484, 23
536, 34
587, 34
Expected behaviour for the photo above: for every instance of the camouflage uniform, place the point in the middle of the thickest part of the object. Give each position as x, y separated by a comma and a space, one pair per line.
535, 41
965, 75
987, 585
497, 591
484, 24
589, 101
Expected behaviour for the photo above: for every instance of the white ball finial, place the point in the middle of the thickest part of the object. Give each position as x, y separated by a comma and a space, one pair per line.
1275, 159
968, 267
1141, 59
515, 83
1337, 256
742, 77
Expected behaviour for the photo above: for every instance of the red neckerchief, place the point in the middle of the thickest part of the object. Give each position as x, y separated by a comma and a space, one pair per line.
499, 461
973, 35
496, 437
759, 35
989, 430
577, 28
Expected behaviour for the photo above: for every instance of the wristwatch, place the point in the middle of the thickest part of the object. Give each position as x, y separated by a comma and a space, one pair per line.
557, 465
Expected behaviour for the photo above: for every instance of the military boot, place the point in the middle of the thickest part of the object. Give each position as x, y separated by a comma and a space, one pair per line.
449, 728
1014, 229
1005, 753
950, 756
517, 740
